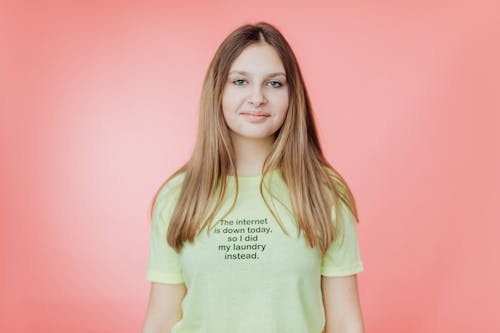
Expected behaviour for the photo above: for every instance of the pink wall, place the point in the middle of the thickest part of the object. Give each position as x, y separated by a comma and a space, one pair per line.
99, 105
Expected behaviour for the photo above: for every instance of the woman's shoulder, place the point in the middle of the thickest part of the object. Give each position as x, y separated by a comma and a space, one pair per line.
330, 171
171, 187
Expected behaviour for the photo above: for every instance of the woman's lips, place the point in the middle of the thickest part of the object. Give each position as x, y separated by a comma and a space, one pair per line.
255, 117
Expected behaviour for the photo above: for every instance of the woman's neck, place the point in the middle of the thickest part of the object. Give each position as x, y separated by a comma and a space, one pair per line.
250, 154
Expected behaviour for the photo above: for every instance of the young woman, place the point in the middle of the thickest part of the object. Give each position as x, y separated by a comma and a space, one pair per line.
256, 233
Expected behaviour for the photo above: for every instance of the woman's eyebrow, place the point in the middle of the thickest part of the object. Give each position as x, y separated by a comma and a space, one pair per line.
268, 75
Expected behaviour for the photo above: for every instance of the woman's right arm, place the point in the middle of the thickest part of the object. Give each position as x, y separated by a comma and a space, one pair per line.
164, 307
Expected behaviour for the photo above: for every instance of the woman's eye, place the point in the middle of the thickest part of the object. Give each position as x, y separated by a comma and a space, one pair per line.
239, 82
275, 84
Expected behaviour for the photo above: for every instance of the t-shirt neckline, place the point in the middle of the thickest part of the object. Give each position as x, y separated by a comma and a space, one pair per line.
251, 178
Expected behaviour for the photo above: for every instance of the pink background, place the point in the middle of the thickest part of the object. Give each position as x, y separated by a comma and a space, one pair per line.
99, 105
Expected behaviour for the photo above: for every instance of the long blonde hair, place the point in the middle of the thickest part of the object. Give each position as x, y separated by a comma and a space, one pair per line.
314, 185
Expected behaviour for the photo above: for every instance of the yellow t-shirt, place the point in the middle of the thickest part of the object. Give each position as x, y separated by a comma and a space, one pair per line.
247, 276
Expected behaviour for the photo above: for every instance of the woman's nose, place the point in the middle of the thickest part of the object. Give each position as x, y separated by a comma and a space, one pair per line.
257, 97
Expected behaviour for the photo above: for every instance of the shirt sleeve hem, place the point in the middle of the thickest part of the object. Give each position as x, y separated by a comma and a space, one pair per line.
152, 276
343, 271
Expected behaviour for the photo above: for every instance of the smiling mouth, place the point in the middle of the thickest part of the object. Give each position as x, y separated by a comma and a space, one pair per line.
256, 114
255, 118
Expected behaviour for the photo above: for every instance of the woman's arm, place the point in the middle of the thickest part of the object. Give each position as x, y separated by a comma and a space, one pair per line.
164, 307
342, 306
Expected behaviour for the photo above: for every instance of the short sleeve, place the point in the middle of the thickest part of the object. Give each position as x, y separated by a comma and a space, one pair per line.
343, 256
164, 262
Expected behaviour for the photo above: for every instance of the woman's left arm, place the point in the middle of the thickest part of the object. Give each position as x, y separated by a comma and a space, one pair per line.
342, 306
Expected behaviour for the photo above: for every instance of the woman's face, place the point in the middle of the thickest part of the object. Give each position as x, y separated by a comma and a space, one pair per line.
255, 97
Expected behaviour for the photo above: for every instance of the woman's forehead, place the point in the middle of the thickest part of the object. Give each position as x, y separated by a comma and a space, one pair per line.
258, 59
246, 73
